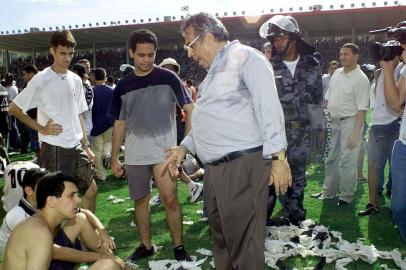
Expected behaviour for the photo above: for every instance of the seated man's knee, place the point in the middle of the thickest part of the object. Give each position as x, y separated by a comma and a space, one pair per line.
74, 225
80, 218
105, 264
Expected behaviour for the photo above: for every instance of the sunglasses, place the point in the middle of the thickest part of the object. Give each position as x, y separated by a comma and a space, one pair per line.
188, 47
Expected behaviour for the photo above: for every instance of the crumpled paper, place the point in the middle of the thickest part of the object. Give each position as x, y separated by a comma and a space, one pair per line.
316, 240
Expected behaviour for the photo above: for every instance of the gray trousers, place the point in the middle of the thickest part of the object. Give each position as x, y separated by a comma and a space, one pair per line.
341, 165
236, 195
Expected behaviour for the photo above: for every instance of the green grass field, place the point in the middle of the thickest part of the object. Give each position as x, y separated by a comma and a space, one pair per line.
377, 229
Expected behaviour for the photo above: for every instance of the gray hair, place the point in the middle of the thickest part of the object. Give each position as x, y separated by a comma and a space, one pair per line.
204, 22
267, 44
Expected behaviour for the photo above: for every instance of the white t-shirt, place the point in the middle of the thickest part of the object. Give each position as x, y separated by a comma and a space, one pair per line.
13, 177
12, 92
61, 100
382, 113
291, 65
348, 93
10, 221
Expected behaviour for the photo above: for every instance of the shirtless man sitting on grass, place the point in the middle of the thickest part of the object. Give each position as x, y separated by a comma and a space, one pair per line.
30, 246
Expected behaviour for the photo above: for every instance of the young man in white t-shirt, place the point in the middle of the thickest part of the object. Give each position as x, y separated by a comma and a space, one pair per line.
395, 93
58, 95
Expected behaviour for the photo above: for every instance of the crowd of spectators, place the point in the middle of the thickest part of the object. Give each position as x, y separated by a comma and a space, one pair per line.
112, 59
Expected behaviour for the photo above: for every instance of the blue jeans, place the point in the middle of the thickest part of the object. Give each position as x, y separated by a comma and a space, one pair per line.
398, 202
381, 182
14, 141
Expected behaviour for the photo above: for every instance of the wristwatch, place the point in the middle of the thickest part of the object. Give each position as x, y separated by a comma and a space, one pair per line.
279, 157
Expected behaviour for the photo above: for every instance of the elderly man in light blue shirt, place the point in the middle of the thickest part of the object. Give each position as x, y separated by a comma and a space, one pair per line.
238, 133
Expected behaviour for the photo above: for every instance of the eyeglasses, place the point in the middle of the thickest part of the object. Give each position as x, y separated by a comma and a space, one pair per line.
188, 47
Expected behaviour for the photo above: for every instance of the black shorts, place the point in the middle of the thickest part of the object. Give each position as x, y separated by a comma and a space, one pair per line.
62, 240
70, 161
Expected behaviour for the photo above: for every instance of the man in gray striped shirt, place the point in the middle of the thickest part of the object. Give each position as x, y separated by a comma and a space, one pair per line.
237, 129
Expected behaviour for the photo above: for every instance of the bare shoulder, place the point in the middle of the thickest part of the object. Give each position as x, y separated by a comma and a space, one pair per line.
29, 244
33, 228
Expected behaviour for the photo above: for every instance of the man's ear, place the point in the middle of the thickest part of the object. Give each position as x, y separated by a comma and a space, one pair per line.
51, 201
131, 53
29, 191
52, 51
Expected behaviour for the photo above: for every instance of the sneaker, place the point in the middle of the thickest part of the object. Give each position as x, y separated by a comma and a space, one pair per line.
369, 210
155, 200
320, 196
141, 252
342, 203
106, 161
181, 254
196, 192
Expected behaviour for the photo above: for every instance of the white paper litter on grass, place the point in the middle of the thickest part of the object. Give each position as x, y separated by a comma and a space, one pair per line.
385, 267
316, 240
204, 252
111, 197
341, 263
199, 212
173, 265
117, 200
212, 263
132, 224
188, 222
130, 209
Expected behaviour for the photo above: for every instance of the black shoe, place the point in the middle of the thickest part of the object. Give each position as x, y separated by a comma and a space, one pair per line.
277, 222
181, 254
141, 252
369, 210
342, 203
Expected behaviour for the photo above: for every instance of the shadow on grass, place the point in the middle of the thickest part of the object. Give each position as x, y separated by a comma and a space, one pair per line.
343, 218
383, 234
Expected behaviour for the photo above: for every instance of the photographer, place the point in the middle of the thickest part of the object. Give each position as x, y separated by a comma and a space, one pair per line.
383, 133
395, 98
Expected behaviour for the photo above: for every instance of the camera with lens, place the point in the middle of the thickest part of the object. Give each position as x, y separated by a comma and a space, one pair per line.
392, 48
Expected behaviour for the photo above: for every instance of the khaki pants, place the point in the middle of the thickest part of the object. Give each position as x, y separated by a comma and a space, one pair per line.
101, 145
341, 165
235, 195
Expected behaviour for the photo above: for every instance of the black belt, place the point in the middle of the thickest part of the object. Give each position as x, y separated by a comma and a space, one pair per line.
234, 155
345, 117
